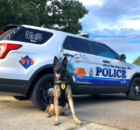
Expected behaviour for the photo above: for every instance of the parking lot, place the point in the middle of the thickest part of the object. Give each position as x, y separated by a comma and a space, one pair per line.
106, 110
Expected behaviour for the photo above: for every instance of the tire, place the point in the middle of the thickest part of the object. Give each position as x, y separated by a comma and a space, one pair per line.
40, 95
21, 98
132, 94
96, 96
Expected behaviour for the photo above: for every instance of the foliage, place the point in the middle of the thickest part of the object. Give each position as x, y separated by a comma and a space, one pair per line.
62, 15
137, 61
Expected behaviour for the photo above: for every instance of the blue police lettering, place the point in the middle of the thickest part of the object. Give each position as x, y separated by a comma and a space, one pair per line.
118, 73
98, 70
110, 72
105, 72
123, 73
115, 73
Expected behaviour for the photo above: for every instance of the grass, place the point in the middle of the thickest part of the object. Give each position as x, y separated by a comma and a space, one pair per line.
70, 129
4, 96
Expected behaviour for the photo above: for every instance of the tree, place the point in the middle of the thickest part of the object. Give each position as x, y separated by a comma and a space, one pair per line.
137, 61
62, 15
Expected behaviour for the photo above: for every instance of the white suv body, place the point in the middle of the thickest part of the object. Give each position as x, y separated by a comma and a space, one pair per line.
26, 65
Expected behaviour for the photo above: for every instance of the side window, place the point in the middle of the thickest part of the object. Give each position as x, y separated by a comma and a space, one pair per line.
33, 36
80, 45
66, 44
102, 50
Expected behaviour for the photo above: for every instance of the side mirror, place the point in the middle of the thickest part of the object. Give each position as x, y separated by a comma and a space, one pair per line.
122, 57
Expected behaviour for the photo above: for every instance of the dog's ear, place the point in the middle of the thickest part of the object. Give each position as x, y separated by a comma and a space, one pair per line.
65, 61
55, 60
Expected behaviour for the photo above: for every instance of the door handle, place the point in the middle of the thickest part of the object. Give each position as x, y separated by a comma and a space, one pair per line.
105, 61
129, 68
68, 55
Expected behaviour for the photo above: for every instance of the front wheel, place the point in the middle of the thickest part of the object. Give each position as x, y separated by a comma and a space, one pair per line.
134, 91
42, 94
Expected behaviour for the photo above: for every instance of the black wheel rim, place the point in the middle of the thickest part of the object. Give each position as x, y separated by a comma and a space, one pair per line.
137, 88
46, 92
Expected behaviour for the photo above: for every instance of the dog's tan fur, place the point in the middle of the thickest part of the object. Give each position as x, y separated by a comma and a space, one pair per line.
50, 110
59, 110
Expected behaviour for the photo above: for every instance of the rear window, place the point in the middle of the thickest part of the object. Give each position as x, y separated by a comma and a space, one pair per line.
66, 44
7, 35
10, 32
32, 36
8, 27
77, 44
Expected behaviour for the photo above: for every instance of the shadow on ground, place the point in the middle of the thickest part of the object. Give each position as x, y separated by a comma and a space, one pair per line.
98, 99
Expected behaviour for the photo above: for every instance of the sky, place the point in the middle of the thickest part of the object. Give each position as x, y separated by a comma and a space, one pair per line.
115, 23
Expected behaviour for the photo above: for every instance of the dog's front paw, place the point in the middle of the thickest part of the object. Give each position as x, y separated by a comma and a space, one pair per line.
48, 115
78, 121
56, 123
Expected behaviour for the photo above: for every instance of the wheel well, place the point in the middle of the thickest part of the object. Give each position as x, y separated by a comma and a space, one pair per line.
41, 73
136, 75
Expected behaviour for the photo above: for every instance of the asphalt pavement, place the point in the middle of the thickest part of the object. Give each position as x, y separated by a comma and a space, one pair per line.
113, 110
106, 112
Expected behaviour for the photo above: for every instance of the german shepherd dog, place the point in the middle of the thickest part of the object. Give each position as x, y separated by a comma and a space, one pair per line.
61, 93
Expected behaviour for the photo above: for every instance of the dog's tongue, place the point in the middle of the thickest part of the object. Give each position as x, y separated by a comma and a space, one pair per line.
57, 75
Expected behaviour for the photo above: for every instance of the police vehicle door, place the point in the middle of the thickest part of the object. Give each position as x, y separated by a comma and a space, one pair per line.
80, 62
111, 73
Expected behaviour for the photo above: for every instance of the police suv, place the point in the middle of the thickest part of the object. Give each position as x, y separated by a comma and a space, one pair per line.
26, 65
